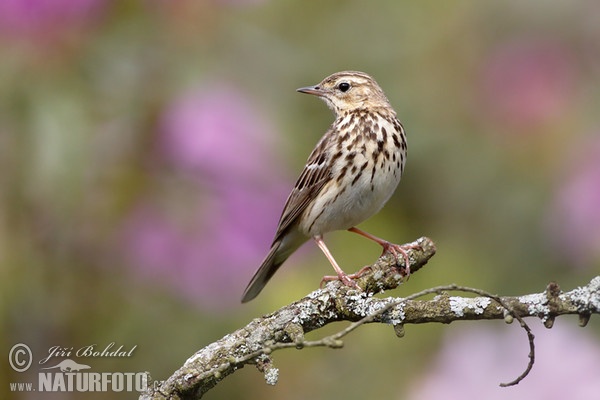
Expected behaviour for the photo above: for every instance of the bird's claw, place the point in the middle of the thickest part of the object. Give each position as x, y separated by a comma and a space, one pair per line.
394, 249
344, 278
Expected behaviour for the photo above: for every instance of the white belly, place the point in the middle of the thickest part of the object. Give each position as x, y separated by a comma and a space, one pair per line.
334, 210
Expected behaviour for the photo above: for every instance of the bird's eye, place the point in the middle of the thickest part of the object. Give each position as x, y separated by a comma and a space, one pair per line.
344, 86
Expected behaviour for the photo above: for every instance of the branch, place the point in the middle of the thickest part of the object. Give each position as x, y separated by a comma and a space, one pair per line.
286, 327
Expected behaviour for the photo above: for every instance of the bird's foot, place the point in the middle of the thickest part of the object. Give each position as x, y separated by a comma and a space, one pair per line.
394, 249
344, 278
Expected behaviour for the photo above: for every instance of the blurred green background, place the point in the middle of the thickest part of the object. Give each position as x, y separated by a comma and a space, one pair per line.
147, 148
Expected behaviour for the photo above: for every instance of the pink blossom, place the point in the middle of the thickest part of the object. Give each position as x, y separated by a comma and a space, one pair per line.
217, 132
43, 17
474, 360
575, 213
528, 83
206, 249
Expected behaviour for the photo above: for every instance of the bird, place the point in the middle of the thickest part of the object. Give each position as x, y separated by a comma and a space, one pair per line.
352, 172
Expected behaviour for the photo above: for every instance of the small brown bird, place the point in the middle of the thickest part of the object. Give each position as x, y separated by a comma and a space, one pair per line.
349, 176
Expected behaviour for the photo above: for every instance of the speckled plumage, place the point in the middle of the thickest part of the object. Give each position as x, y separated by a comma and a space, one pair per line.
349, 176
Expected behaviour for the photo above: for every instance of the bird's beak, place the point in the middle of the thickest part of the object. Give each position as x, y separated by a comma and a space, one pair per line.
316, 90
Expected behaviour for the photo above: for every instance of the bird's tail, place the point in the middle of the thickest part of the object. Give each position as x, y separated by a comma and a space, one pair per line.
280, 251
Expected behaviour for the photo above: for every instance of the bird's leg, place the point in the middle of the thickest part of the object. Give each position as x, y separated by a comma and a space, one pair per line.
389, 248
341, 275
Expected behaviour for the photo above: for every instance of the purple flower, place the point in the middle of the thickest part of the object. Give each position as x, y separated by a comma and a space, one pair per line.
206, 244
528, 83
46, 17
575, 214
474, 360
216, 132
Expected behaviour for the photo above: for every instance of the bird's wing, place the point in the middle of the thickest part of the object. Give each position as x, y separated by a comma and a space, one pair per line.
315, 175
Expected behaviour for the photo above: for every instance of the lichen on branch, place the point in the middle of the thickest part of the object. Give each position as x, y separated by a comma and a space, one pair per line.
286, 327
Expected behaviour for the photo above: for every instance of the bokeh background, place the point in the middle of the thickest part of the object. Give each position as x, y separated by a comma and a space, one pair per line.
147, 148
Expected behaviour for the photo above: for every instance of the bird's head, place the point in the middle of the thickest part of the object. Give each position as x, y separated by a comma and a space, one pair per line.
348, 90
